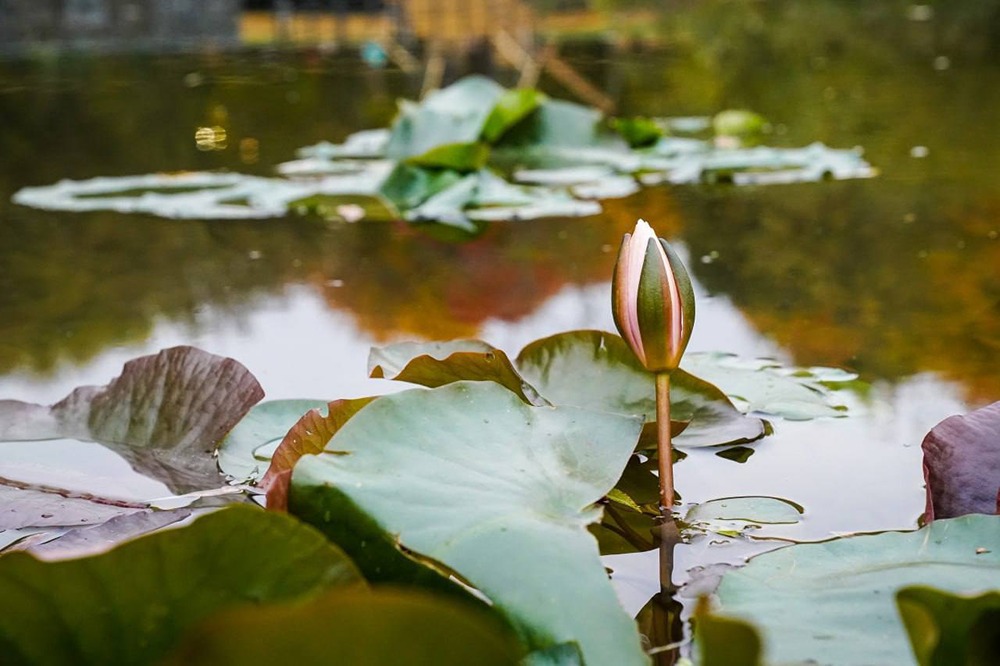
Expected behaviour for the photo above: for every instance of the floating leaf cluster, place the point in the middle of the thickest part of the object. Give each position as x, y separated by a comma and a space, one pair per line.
470, 153
492, 475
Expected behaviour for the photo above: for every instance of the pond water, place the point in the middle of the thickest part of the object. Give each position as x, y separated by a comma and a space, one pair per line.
895, 277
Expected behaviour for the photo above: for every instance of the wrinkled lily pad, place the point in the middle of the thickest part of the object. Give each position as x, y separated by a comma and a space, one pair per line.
948, 629
596, 370
165, 414
498, 491
962, 464
130, 605
356, 627
833, 602
766, 387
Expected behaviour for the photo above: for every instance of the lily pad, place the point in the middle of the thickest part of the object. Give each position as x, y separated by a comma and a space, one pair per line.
434, 364
130, 605
764, 510
165, 414
498, 491
455, 131
456, 114
962, 464
357, 627
457, 156
246, 451
94, 539
556, 123
833, 602
309, 435
765, 386
948, 629
510, 108
596, 370
408, 186
24, 505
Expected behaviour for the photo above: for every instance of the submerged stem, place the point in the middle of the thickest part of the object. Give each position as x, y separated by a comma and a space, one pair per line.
664, 446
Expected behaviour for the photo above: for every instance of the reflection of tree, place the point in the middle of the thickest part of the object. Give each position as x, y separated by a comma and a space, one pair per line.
405, 283
837, 276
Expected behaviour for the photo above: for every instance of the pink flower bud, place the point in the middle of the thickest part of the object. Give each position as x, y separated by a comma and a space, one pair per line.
652, 300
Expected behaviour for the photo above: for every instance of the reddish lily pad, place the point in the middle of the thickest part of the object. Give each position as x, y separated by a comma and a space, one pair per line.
962, 464
309, 435
435, 364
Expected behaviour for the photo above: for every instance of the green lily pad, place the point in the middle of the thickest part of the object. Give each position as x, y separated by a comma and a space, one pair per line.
166, 414
408, 186
130, 605
246, 451
456, 114
765, 510
638, 132
947, 629
556, 123
500, 492
596, 370
356, 627
766, 387
833, 602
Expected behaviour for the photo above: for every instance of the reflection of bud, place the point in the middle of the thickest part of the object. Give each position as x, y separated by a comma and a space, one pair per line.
652, 300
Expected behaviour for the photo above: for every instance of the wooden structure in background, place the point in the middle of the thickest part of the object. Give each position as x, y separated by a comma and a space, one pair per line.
439, 29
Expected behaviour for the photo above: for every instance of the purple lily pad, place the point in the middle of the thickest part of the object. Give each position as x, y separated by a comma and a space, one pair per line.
962, 464
165, 414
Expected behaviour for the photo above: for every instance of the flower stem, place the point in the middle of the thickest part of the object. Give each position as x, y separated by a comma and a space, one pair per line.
664, 447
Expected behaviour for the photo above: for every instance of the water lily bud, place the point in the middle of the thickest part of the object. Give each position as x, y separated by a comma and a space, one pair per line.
652, 300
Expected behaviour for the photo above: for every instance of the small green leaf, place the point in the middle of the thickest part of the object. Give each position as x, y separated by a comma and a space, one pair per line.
458, 156
511, 108
408, 186
739, 454
725, 641
638, 132
948, 629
